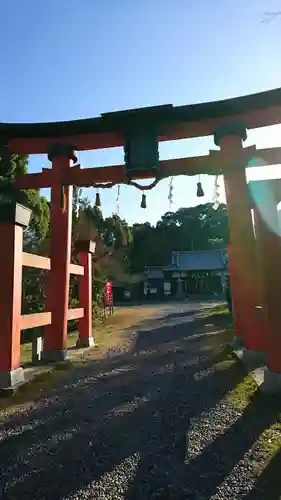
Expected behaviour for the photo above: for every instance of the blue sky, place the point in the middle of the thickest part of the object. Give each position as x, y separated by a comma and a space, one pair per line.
68, 59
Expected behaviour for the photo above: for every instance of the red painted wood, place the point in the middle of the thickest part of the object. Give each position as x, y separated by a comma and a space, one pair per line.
269, 254
234, 284
35, 320
180, 166
75, 269
75, 313
10, 296
58, 283
85, 291
244, 265
33, 181
32, 260
82, 142
202, 127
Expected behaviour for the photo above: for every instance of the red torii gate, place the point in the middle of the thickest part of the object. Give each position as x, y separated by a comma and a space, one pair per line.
228, 120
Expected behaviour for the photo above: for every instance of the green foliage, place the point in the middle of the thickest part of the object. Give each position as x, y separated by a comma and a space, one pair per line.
40, 218
12, 165
193, 228
39, 224
116, 232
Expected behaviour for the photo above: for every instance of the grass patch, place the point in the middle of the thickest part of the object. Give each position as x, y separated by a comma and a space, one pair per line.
270, 439
26, 349
243, 393
32, 391
246, 393
26, 353
63, 365
108, 334
211, 311
217, 316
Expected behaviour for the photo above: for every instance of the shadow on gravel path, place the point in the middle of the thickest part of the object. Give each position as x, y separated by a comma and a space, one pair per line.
126, 432
268, 486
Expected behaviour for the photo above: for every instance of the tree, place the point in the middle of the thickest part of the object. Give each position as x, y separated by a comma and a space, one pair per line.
10, 167
194, 228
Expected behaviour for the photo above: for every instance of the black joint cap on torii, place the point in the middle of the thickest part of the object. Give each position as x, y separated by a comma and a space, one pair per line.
62, 149
88, 246
230, 128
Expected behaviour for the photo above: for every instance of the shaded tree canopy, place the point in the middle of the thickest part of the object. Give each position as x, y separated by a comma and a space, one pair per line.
10, 167
193, 228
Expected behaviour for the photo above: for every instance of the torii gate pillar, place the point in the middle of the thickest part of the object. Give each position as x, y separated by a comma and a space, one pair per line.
246, 294
55, 335
269, 254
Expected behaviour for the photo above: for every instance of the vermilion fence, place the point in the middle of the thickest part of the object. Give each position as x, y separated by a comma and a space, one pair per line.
13, 219
45, 318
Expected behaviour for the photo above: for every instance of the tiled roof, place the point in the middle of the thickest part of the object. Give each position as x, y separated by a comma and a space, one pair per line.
155, 273
205, 260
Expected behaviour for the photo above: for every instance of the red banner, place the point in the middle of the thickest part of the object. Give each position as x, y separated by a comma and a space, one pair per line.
108, 294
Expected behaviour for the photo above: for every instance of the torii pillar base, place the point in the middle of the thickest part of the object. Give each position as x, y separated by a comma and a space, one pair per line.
54, 356
252, 358
237, 343
271, 383
89, 342
11, 380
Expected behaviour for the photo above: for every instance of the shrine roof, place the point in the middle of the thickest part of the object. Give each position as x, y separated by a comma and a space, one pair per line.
154, 272
197, 260
171, 122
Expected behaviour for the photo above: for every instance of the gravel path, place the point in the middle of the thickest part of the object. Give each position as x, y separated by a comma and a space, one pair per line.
152, 426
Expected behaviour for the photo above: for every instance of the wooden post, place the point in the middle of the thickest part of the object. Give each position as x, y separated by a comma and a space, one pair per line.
55, 335
269, 254
238, 342
86, 249
13, 218
245, 293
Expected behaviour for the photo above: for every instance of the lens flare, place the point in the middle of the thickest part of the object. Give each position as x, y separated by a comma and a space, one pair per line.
262, 192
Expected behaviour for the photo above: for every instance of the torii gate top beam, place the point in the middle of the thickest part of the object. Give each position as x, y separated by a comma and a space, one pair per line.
196, 120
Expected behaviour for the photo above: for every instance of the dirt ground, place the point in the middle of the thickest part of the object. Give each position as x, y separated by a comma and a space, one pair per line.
114, 337
176, 417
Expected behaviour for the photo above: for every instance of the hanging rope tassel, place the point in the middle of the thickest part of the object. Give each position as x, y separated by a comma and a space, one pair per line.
200, 191
216, 195
118, 200
170, 195
97, 202
143, 201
